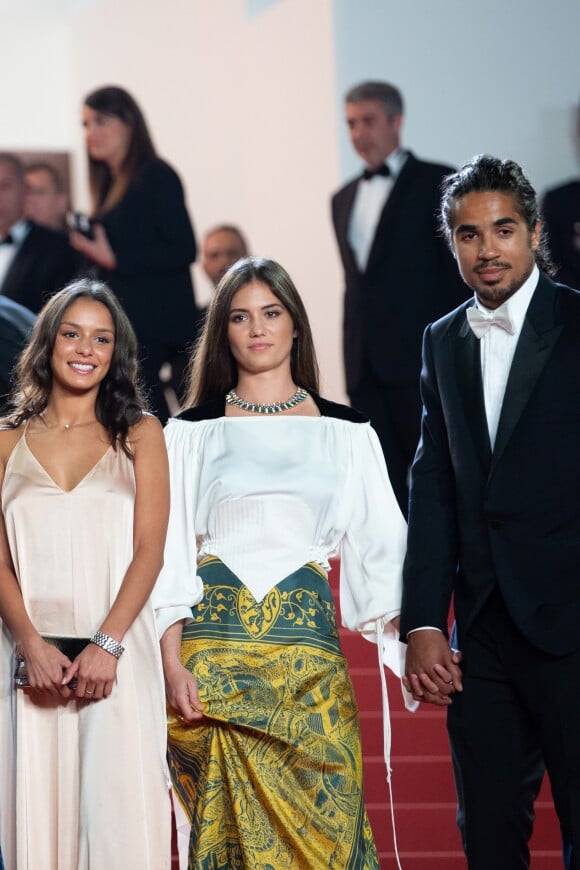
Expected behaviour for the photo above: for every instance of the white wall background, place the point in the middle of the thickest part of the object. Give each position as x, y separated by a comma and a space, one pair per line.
244, 99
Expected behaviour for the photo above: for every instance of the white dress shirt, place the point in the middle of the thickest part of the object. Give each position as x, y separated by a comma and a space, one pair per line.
498, 347
7, 252
369, 202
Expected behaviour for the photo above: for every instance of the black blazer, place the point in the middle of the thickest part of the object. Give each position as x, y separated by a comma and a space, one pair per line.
410, 279
152, 237
43, 264
16, 324
561, 210
511, 516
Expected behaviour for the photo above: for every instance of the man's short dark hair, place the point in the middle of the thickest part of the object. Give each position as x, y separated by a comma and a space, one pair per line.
486, 174
387, 94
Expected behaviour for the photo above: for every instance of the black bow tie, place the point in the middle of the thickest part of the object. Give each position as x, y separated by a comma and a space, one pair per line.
381, 170
7, 240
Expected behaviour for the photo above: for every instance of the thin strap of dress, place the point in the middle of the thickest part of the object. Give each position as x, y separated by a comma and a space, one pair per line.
13, 452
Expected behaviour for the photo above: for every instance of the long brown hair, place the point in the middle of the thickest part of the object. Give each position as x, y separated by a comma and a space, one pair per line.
120, 403
106, 191
213, 369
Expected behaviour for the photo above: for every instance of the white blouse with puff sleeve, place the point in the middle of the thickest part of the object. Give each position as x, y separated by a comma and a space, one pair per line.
266, 495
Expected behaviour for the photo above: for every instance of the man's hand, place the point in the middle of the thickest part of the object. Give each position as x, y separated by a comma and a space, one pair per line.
432, 672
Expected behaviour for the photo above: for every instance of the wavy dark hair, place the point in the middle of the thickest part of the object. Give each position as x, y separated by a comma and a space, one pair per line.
120, 403
106, 191
213, 370
487, 174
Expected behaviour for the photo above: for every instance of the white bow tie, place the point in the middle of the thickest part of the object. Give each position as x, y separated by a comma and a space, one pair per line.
481, 322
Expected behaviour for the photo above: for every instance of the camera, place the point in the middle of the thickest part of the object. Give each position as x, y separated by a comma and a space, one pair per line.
79, 222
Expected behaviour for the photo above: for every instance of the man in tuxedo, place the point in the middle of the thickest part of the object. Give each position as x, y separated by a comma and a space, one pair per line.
561, 212
399, 275
46, 198
16, 323
35, 261
222, 247
494, 522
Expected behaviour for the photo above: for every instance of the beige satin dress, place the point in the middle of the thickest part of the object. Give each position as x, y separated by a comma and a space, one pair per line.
83, 786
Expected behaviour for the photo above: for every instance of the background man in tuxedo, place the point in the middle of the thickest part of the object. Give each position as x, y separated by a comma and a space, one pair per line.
494, 520
16, 324
399, 275
35, 261
222, 247
561, 211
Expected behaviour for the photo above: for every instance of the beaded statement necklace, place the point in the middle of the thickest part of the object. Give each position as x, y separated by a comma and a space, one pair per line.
232, 398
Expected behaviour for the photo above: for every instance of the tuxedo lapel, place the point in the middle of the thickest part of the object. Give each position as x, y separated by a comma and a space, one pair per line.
342, 222
538, 338
468, 374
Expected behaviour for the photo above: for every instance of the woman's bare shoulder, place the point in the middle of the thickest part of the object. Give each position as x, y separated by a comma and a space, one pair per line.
9, 437
147, 431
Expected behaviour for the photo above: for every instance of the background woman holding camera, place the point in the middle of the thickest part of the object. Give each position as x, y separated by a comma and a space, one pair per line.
143, 242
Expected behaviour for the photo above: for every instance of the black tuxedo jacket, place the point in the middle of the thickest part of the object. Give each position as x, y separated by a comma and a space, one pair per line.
511, 516
152, 237
410, 279
561, 210
43, 264
16, 325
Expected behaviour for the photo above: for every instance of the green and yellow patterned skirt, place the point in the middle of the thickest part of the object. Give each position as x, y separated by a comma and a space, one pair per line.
271, 778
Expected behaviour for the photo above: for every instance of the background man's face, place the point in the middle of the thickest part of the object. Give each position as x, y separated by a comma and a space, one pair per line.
11, 198
220, 251
44, 203
494, 248
373, 133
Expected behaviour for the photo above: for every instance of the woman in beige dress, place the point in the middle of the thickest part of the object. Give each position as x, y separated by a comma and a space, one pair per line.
83, 469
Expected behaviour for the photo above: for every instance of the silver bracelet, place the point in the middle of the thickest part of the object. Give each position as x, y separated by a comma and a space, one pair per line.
108, 643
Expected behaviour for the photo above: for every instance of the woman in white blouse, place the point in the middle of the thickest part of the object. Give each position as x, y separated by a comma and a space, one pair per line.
269, 481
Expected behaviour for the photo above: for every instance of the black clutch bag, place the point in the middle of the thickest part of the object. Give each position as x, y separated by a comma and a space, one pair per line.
70, 646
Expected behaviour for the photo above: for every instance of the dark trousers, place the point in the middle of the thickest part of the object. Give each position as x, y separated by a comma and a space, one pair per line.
395, 413
519, 709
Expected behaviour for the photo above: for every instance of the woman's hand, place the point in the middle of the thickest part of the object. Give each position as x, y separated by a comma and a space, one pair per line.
181, 690
97, 249
45, 665
95, 670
